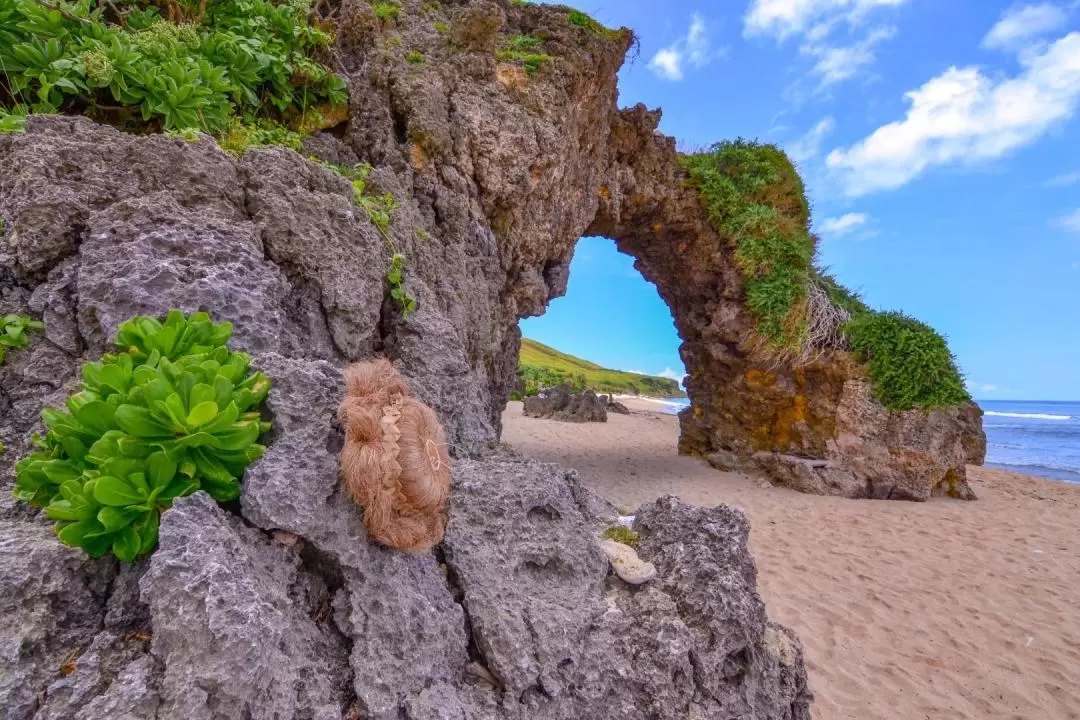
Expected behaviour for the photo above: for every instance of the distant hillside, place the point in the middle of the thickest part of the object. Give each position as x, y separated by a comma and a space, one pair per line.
540, 366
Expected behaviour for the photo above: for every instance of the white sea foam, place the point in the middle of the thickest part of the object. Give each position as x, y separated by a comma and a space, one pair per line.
1032, 416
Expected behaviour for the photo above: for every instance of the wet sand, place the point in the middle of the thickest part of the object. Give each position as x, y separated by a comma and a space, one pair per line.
907, 611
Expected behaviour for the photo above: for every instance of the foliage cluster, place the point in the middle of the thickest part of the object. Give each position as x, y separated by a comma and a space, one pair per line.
535, 378
172, 412
583, 21
541, 366
379, 208
911, 365
414, 57
522, 49
386, 10
172, 64
13, 332
753, 195
12, 122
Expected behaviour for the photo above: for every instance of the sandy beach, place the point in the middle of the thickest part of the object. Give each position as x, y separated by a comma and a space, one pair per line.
938, 611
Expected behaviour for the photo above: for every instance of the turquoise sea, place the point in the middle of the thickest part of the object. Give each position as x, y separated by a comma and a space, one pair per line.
1033, 437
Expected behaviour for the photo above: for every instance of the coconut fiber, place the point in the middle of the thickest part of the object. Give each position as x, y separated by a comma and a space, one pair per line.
394, 462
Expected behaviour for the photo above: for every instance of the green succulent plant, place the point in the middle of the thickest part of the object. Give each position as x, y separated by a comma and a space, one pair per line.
173, 412
14, 331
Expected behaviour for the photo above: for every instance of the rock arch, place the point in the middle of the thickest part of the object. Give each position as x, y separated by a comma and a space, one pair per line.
815, 426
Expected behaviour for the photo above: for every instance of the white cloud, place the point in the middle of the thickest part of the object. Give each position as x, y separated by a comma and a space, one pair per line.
667, 64
836, 64
1018, 25
1063, 180
672, 375
782, 18
809, 145
964, 116
636, 372
816, 20
1070, 221
694, 48
697, 42
981, 387
840, 226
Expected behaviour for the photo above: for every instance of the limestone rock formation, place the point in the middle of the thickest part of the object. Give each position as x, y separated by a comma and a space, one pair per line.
559, 403
497, 173
226, 619
613, 405
280, 606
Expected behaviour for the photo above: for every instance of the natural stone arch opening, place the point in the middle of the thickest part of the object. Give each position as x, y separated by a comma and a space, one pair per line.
813, 425
612, 316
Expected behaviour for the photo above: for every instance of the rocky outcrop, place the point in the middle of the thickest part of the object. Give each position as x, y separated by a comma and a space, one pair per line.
559, 403
282, 607
497, 173
279, 606
613, 405
815, 426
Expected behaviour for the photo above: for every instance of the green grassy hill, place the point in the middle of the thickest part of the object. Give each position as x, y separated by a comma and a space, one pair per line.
540, 366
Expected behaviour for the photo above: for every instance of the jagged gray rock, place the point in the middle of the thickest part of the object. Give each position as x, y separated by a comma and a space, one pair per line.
559, 403
51, 607
236, 623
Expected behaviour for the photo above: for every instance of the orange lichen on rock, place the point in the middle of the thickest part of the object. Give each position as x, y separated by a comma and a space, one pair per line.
394, 462
757, 379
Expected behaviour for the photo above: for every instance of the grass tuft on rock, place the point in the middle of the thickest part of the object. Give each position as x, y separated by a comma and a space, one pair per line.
623, 535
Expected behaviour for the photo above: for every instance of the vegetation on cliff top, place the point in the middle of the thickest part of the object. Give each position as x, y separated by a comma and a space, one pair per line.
753, 194
542, 366
168, 64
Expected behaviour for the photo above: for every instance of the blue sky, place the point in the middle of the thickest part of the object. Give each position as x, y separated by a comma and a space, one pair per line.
941, 149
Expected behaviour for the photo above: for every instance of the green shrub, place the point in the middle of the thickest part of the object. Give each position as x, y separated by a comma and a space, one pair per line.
168, 64
621, 534
12, 122
396, 278
911, 365
14, 330
532, 62
754, 195
414, 57
515, 396
583, 21
239, 137
442, 28
386, 10
172, 412
523, 42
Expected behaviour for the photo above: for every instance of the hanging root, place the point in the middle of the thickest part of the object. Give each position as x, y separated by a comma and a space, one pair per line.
395, 462
824, 324
820, 327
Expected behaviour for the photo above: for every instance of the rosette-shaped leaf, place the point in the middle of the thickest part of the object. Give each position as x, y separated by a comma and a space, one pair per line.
175, 337
175, 413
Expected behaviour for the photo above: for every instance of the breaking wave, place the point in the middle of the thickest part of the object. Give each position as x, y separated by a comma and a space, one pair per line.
1032, 416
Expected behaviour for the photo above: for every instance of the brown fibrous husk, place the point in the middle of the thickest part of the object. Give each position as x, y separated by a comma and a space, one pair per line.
394, 462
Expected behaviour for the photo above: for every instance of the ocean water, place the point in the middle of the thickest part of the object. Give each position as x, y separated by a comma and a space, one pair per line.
1036, 438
